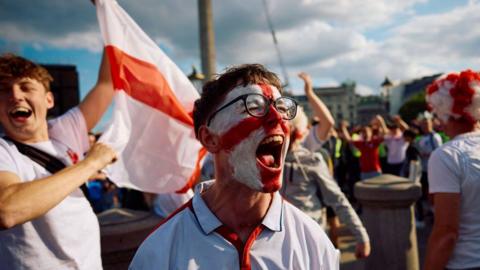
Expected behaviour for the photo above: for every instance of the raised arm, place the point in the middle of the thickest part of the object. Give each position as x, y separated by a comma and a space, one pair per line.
334, 197
99, 98
381, 124
345, 132
400, 123
24, 201
320, 110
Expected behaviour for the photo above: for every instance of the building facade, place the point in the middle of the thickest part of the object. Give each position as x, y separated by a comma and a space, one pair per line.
401, 92
368, 107
341, 101
65, 88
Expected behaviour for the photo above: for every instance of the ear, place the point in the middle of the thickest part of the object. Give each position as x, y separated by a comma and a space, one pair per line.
50, 100
209, 140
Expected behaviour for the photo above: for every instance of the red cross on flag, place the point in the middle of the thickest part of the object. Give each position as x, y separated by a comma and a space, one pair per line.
152, 126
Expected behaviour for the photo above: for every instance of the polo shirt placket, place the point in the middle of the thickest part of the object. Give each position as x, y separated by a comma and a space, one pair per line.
210, 224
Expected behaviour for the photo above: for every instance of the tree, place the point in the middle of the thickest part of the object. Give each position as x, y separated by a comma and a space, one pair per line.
413, 106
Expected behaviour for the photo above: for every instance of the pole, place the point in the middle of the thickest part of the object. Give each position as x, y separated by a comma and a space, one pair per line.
207, 38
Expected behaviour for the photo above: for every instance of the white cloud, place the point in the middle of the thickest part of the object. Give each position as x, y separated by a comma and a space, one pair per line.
89, 40
424, 45
440, 37
331, 39
359, 14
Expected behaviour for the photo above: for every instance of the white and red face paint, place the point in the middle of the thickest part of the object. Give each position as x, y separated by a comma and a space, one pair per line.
241, 134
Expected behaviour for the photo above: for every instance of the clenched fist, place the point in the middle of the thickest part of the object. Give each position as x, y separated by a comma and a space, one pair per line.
101, 155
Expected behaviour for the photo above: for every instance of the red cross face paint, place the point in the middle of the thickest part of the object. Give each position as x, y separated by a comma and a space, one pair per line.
256, 147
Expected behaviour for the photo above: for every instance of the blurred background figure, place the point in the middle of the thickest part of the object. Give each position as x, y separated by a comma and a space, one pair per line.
308, 184
395, 143
368, 145
102, 193
429, 141
411, 166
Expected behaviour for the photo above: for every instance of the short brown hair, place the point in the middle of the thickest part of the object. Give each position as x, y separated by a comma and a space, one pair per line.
14, 67
215, 90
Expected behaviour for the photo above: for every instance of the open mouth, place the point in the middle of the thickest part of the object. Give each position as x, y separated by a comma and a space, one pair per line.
269, 151
20, 113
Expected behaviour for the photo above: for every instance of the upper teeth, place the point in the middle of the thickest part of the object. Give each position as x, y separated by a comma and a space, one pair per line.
20, 109
276, 139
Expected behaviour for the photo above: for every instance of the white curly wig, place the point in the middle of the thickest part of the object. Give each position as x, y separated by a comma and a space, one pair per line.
456, 95
299, 124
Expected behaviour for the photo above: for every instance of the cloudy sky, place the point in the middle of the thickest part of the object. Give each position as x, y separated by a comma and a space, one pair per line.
334, 40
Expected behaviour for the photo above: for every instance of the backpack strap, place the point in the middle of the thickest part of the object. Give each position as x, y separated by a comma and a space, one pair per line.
49, 162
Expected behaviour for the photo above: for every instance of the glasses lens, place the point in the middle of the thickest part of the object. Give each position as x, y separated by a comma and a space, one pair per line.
287, 107
256, 105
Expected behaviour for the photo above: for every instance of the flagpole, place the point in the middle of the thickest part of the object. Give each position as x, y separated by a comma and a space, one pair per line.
207, 38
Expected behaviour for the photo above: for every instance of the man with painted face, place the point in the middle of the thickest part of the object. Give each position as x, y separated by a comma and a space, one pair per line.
240, 221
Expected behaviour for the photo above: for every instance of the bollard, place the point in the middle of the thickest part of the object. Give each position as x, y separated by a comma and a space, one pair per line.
388, 215
121, 233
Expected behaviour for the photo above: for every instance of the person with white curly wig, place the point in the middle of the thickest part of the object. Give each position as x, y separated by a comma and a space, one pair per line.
454, 173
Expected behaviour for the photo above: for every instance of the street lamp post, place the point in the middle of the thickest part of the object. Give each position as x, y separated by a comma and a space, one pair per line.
386, 85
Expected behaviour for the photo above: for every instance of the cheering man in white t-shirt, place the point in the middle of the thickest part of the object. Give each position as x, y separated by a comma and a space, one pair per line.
454, 174
45, 220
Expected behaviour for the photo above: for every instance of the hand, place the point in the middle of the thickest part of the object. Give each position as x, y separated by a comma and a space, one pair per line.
344, 124
101, 155
98, 176
379, 118
362, 250
396, 118
306, 79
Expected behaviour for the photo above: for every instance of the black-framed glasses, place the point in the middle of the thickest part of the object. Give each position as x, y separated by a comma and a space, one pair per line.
258, 105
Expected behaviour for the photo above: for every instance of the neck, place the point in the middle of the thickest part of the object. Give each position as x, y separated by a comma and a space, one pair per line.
237, 206
476, 126
23, 138
456, 127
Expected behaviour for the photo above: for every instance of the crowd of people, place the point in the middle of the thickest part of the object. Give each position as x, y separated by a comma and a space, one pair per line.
276, 181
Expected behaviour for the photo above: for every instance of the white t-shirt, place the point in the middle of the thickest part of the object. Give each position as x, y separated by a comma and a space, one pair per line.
397, 148
455, 168
312, 142
67, 236
195, 239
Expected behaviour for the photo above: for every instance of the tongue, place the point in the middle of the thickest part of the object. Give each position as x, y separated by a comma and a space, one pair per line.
267, 160
20, 118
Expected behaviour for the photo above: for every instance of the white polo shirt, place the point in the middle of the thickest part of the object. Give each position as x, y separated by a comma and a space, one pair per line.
194, 238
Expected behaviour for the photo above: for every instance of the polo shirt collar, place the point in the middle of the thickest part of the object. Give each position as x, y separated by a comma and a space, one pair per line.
273, 218
209, 222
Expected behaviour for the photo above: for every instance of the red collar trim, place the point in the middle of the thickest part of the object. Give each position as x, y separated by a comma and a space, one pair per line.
243, 249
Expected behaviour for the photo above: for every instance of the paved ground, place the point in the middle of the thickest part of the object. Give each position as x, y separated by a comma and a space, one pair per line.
347, 247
